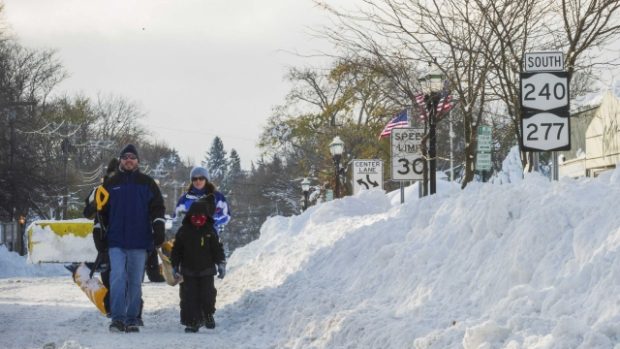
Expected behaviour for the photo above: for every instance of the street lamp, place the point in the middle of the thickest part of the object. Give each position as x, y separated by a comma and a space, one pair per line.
305, 187
336, 147
432, 85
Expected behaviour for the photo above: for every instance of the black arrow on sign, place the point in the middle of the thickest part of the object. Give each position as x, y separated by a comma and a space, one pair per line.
361, 182
374, 184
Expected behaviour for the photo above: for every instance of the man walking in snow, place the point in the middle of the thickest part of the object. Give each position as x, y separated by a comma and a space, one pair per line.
134, 217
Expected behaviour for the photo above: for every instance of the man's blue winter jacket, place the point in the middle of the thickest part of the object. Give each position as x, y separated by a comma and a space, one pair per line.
135, 203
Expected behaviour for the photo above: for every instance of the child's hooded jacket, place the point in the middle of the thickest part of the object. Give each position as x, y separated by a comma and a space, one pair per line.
197, 250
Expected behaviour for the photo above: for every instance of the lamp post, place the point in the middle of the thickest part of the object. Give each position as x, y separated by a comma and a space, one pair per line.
432, 85
305, 188
336, 147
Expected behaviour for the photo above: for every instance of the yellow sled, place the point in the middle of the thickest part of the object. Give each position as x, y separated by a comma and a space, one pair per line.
92, 287
166, 266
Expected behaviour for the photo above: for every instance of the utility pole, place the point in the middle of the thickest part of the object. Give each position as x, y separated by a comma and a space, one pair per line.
65, 145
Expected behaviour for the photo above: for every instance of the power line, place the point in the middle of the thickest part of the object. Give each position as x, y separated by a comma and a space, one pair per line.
202, 132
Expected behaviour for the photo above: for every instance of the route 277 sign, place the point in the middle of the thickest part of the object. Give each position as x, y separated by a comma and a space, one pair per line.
367, 174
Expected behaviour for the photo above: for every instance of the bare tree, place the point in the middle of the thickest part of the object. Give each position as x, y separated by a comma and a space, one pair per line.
577, 27
420, 32
26, 79
479, 45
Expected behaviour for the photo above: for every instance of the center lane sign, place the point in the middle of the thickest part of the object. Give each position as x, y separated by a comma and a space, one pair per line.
367, 174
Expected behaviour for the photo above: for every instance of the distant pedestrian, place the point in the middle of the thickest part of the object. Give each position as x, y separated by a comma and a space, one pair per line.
134, 217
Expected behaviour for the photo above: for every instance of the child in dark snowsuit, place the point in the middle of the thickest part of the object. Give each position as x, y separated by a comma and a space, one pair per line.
198, 256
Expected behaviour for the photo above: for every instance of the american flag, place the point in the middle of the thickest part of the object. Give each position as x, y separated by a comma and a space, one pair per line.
421, 100
399, 121
443, 105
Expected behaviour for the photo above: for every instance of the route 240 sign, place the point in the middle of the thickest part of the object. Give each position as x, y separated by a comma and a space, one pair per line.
407, 159
367, 174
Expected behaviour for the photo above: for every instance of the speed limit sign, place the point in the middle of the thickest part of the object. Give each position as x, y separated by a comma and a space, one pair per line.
545, 118
407, 159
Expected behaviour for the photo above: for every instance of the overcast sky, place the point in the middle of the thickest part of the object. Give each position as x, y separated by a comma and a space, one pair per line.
197, 68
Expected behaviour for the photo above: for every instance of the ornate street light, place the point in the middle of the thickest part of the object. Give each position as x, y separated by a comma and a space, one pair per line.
305, 188
336, 147
432, 84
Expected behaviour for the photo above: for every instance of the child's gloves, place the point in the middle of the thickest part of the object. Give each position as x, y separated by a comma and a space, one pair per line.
221, 270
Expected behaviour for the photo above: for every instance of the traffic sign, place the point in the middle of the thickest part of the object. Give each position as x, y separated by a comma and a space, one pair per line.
545, 132
483, 151
545, 115
483, 161
484, 139
407, 159
367, 174
544, 91
543, 61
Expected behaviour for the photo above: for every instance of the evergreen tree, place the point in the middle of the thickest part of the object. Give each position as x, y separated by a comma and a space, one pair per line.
217, 163
234, 164
235, 231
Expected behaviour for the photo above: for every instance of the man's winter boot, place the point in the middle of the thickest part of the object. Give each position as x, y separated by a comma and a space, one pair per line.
132, 328
117, 326
209, 321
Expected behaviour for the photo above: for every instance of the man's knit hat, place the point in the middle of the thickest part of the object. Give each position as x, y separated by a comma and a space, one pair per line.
129, 148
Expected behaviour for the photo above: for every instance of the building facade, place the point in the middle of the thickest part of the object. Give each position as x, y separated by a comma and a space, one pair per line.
595, 139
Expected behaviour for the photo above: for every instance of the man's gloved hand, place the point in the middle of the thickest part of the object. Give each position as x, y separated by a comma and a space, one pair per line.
159, 233
100, 243
221, 270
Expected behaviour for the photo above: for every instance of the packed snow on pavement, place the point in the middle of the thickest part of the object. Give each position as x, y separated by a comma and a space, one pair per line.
522, 264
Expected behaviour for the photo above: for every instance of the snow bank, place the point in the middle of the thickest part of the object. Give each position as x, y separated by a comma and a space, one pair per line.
533, 264
14, 265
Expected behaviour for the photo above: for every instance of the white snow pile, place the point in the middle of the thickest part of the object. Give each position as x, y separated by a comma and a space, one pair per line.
527, 265
14, 265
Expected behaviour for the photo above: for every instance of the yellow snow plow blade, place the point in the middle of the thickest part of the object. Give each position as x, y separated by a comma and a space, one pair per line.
92, 287
61, 241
